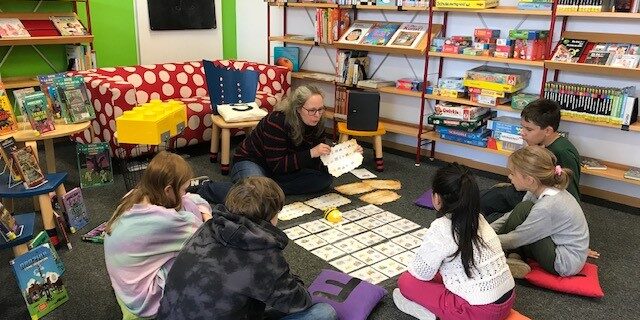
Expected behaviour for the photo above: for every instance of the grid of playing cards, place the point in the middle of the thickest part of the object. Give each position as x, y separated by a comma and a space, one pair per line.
370, 243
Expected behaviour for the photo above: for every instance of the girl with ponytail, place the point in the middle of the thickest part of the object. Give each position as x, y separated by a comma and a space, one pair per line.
475, 281
548, 226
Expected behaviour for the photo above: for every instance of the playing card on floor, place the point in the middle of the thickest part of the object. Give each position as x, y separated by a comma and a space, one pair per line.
353, 215
386, 216
294, 210
370, 209
347, 264
406, 258
369, 256
369, 274
390, 267
350, 245
296, 233
407, 241
363, 173
327, 201
369, 238
370, 223
351, 228
331, 235
389, 249
419, 233
311, 242
315, 226
328, 252
405, 225
388, 231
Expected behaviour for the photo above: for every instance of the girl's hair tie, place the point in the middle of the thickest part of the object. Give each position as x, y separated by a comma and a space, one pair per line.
558, 170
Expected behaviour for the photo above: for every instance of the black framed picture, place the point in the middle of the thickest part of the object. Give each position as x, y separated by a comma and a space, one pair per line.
182, 14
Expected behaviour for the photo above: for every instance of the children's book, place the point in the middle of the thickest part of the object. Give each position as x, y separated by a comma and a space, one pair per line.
38, 112
19, 95
7, 147
43, 238
40, 281
598, 57
96, 234
8, 122
12, 28
287, 57
50, 91
73, 98
409, 35
356, 32
69, 26
633, 174
62, 228
10, 229
75, 209
94, 164
380, 33
28, 166
569, 50
592, 164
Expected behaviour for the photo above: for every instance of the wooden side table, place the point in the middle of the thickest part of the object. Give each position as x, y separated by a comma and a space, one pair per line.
219, 126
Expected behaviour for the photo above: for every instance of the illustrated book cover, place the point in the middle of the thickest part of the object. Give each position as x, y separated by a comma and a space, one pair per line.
43, 238
30, 171
94, 164
8, 146
356, 32
409, 35
69, 26
96, 234
380, 33
76, 209
38, 112
8, 122
287, 57
12, 28
73, 99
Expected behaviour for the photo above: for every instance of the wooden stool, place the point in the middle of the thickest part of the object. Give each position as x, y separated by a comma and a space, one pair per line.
377, 140
218, 124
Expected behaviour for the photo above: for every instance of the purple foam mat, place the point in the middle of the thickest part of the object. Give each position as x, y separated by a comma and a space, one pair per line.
425, 200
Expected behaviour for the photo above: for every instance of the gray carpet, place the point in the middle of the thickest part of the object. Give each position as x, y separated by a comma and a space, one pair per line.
614, 233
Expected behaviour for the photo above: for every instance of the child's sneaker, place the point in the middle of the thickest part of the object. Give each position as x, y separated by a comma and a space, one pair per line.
196, 183
411, 308
518, 268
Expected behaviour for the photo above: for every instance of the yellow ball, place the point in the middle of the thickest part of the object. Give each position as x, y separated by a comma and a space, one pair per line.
333, 215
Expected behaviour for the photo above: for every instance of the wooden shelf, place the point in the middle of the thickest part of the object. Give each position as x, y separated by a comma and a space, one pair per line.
394, 90
463, 101
20, 82
45, 40
288, 39
432, 135
614, 171
415, 8
393, 126
487, 59
373, 7
499, 10
593, 69
606, 15
633, 127
307, 75
312, 5
36, 15
418, 51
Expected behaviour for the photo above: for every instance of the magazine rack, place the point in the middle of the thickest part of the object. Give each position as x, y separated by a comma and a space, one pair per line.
19, 246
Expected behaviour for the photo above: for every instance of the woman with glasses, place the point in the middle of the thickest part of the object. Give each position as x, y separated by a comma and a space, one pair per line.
286, 146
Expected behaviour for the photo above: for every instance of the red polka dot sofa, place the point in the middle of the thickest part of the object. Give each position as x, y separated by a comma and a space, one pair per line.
118, 89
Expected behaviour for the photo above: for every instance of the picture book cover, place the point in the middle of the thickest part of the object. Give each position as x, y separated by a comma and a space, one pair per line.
287, 57
94, 164
73, 99
50, 91
75, 209
12, 28
61, 225
69, 26
8, 122
380, 33
592, 164
633, 174
19, 95
96, 234
569, 50
43, 238
7, 147
38, 112
8, 225
40, 281
356, 32
28, 166
598, 57
409, 35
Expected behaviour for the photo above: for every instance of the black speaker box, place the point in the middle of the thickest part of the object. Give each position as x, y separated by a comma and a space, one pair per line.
363, 110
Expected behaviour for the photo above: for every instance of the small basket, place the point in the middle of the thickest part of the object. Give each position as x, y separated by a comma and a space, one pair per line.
133, 165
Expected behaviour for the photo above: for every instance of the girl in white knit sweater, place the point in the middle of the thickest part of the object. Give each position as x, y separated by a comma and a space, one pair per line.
474, 281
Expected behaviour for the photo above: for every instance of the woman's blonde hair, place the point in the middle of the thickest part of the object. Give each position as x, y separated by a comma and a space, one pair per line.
290, 106
257, 198
165, 169
541, 164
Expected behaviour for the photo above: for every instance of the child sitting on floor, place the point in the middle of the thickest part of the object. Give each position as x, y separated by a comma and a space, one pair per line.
234, 267
549, 225
147, 231
460, 244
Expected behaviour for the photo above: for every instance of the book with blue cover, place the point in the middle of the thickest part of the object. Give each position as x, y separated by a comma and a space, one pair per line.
43, 238
40, 281
287, 57
380, 33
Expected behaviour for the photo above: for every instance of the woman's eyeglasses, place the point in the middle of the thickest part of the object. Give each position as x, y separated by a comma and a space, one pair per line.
313, 112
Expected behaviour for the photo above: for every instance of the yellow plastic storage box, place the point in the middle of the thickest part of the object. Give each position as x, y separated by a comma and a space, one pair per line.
152, 123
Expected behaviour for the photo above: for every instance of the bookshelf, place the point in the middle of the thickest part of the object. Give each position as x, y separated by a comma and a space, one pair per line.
487, 59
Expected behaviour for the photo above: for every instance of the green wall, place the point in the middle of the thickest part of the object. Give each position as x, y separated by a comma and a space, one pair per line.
229, 36
113, 25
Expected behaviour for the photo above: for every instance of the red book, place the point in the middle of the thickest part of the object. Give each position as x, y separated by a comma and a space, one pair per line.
40, 28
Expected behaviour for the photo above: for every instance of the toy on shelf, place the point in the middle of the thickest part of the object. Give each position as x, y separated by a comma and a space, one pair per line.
152, 123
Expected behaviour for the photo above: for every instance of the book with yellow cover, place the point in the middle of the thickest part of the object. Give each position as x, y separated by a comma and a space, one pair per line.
8, 122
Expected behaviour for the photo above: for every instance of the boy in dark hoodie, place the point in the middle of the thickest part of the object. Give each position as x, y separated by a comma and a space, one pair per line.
233, 266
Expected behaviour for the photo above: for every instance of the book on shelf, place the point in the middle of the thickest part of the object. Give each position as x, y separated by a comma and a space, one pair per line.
592, 164
74, 100
633, 173
287, 57
12, 28
356, 32
40, 281
8, 225
598, 57
50, 91
38, 112
94, 164
409, 35
96, 234
28, 167
43, 238
569, 50
380, 33
7, 147
68, 26
75, 209
41, 28
62, 227
374, 83
8, 121
18, 95
464, 4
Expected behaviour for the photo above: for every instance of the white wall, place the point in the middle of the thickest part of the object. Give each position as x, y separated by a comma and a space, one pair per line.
176, 45
604, 143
